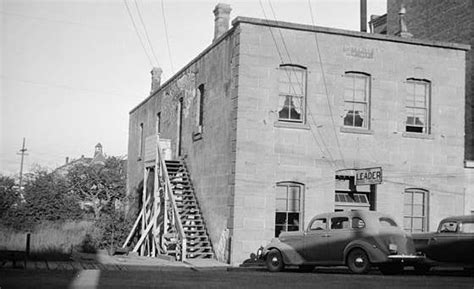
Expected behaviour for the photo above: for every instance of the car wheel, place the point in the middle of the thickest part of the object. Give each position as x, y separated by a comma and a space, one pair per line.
306, 268
421, 268
274, 261
391, 269
358, 261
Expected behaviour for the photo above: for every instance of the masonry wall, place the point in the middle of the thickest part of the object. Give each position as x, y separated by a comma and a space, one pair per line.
442, 20
209, 157
269, 152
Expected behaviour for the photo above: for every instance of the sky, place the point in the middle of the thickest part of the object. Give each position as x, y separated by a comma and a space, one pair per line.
71, 70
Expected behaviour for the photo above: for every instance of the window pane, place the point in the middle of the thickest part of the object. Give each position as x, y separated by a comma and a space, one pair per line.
407, 210
294, 192
407, 197
339, 223
348, 94
280, 218
418, 224
358, 223
318, 224
407, 223
278, 230
418, 198
281, 205
293, 205
467, 228
281, 192
294, 219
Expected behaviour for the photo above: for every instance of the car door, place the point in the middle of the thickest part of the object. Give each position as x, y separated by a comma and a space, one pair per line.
338, 237
452, 243
315, 241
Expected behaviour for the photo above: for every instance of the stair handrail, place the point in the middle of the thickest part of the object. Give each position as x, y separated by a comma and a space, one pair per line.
181, 234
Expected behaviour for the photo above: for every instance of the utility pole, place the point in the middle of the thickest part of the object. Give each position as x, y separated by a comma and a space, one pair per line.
22, 153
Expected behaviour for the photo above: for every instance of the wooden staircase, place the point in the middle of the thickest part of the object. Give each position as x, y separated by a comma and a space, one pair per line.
198, 244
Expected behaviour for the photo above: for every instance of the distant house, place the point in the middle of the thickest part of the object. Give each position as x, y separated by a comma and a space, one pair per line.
98, 159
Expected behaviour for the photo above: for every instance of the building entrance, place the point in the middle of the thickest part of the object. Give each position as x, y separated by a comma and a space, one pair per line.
349, 196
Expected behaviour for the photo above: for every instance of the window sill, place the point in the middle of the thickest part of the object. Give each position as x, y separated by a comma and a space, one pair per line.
296, 125
417, 135
356, 130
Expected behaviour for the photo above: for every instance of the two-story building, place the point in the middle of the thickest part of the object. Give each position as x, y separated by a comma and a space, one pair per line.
277, 122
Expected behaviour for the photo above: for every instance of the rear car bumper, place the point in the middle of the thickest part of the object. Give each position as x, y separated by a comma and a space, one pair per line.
408, 259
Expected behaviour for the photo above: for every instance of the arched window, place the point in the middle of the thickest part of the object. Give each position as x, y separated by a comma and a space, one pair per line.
415, 210
356, 99
417, 106
288, 207
292, 93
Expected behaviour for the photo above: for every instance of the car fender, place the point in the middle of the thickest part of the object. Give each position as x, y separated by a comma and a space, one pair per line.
289, 254
374, 253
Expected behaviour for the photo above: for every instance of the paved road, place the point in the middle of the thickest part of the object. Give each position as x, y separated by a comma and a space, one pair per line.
187, 278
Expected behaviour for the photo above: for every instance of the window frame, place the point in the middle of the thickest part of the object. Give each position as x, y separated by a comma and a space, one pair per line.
426, 128
287, 69
366, 124
300, 219
425, 210
140, 141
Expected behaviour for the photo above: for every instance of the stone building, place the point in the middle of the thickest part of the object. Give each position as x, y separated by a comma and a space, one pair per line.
439, 20
277, 122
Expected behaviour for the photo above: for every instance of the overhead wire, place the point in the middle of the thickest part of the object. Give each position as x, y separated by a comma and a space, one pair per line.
331, 158
137, 33
166, 35
146, 32
325, 84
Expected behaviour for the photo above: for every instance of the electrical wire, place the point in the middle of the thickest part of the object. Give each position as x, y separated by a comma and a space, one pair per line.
137, 33
166, 34
146, 33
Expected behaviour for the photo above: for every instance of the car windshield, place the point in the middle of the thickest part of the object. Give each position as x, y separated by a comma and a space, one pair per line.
448, 227
387, 222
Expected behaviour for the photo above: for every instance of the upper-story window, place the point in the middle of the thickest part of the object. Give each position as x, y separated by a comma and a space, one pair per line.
356, 100
140, 142
200, 107
417, 106
292, 93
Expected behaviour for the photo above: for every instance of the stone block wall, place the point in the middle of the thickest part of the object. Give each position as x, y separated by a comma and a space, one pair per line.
442, 20
269, 152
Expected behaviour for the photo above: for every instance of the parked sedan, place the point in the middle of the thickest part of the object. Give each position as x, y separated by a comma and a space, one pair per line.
452, 243
357, 239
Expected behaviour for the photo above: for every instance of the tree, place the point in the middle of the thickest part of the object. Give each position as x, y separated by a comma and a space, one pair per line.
99, 186
8, 195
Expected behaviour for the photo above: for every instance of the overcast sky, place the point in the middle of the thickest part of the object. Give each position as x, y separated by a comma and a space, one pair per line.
71, 70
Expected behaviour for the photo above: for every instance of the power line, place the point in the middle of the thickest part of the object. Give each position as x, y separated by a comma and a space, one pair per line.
300, 84
137, 33
325, 85
146, 32
166, 34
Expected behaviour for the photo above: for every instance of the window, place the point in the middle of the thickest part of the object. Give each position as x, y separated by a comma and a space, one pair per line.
292, 93
288, 209
415, 210
200, 107
356, 100
467, 228
449, 227
417, 106
140, 142
318, 224
339, 223
158, 123
358, 223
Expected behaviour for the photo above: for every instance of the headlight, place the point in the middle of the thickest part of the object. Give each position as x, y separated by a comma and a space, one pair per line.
392, 248
260, 253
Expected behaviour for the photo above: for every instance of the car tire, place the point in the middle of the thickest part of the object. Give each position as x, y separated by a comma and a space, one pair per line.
306, 268
391, 269
274, 261
421, 269
358, 261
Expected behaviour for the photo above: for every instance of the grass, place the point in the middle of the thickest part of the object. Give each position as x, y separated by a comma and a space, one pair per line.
52, 241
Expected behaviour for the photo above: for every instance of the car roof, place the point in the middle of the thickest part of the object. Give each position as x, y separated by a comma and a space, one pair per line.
358, 213
463, 218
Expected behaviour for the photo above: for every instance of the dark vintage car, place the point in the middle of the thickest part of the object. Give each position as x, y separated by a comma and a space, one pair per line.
357, 239
451, 244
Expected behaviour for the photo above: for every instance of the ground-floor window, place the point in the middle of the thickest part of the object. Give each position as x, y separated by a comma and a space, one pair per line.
288, 207
415, 211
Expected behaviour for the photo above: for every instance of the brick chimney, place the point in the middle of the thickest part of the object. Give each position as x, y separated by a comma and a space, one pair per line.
403, 30
221, 20
155, 79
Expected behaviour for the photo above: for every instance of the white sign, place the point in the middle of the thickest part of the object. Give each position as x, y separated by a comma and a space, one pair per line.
369, 176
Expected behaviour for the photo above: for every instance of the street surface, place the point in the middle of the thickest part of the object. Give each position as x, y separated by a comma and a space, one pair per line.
163, 277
